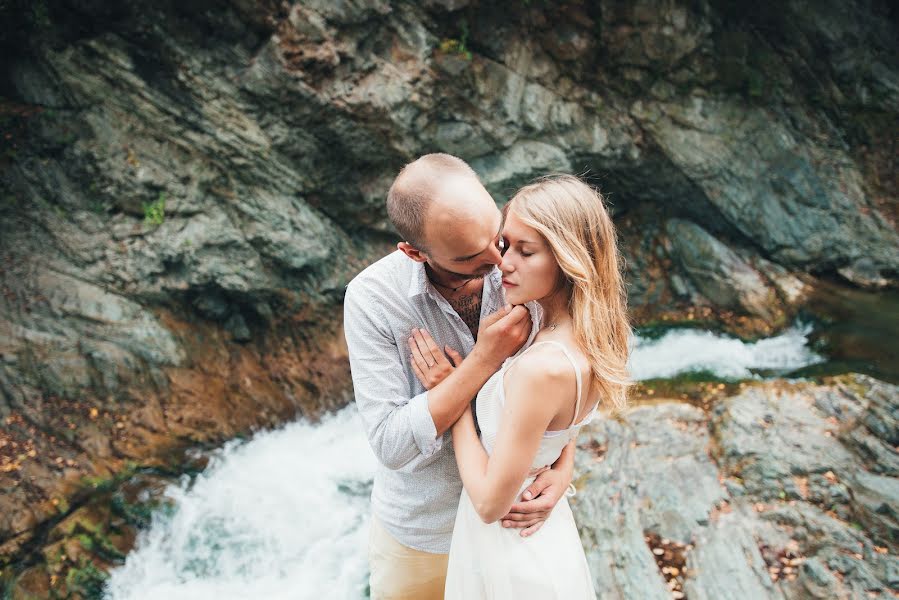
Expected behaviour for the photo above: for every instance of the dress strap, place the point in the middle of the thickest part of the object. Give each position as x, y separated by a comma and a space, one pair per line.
577, 372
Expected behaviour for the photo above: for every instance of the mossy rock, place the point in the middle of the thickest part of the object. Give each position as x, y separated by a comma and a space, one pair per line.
91, 519
32, 584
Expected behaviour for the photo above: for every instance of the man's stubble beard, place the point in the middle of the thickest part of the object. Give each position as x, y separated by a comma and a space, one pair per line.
463, 276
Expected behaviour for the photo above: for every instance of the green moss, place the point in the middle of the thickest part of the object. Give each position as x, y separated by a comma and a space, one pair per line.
456, 47
87, 580
154, 212
654, 330
86, 541
137, 514
108, 484
688, 379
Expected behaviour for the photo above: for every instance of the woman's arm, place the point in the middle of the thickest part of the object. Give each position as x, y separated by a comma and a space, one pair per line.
535, 388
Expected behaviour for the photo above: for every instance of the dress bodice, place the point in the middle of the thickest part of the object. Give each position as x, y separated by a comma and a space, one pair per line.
490, 401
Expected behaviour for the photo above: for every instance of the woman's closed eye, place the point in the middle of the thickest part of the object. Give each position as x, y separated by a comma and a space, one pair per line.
505, 246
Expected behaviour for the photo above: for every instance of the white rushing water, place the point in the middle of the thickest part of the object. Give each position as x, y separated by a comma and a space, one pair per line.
285, 515
684, 350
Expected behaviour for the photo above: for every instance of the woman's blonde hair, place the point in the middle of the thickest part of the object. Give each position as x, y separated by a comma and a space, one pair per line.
573, 219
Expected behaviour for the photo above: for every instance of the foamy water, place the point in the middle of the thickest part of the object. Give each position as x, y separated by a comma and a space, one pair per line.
684, 350
285, 515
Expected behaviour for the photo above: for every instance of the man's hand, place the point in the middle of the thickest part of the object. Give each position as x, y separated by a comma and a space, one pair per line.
539, 499
501, 334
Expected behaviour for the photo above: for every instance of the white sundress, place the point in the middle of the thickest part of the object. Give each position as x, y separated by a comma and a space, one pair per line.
490, 561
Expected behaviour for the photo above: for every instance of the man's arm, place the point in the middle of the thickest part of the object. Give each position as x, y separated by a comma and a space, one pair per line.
398, 425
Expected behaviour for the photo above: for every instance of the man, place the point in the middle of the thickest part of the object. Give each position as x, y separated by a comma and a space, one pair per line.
443, 279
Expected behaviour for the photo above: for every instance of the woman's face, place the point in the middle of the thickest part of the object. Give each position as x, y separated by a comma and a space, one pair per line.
530, 271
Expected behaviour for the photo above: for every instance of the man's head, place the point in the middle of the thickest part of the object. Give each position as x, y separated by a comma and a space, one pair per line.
445, 216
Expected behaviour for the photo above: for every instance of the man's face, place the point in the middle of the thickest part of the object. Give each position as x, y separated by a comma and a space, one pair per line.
463, 229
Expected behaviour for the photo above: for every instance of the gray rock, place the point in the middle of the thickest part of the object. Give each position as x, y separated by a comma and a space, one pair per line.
725, 154
790, 490
719, 273
726, 564
768, 437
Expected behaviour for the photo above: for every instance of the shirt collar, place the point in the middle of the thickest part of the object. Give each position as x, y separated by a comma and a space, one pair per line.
418, 283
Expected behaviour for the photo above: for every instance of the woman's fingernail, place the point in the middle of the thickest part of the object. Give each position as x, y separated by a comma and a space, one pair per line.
527, 495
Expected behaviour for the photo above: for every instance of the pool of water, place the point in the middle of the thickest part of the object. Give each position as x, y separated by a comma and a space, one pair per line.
857, 330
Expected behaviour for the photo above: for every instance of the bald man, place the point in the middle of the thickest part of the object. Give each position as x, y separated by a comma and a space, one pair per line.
443, 279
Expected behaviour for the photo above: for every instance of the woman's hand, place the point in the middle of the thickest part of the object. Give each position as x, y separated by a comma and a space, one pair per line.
428, 362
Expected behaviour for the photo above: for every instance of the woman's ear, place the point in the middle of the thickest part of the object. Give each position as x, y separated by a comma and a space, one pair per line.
412, 252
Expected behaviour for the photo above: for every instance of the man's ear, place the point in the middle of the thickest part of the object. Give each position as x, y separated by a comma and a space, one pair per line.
412, 252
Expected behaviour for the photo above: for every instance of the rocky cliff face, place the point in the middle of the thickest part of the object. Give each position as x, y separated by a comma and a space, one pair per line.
187, 187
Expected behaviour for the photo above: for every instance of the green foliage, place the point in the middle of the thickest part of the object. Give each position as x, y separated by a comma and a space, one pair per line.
454, 46
86, 541
108, 484
154, 212
87, 580
457, 46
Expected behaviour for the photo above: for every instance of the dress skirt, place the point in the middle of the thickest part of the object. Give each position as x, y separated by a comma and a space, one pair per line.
493, 562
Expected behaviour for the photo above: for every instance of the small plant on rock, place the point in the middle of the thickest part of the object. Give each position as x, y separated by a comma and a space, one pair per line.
154, 212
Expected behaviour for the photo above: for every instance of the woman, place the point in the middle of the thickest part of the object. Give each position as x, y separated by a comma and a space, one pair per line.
560, 250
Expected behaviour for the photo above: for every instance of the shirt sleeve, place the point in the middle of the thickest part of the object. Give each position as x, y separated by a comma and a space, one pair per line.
398, 425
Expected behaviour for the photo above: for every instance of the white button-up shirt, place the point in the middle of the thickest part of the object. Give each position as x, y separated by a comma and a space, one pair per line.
417, 485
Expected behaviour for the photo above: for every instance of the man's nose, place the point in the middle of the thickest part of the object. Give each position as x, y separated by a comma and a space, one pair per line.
494, 257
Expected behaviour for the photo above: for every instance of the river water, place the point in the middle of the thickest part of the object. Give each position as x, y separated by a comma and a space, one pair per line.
285, 514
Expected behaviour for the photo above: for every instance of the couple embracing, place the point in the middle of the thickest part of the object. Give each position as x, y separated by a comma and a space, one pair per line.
525, 311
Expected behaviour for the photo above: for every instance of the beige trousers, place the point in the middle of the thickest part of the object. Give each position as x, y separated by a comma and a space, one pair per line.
401, 573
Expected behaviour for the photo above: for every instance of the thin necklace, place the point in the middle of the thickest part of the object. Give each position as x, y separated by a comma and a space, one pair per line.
454, 289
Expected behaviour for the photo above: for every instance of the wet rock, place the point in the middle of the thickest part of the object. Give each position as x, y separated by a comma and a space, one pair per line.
767, 436
726, 563
719, 273
765, 496
32, 584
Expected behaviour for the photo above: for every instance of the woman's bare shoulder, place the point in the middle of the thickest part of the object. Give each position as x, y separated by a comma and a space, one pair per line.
544, 366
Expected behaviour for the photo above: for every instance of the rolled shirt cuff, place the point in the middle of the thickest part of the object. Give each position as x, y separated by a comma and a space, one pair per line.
424, 432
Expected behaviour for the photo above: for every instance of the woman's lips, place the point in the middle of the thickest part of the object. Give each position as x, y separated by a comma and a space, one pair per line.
506, 284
